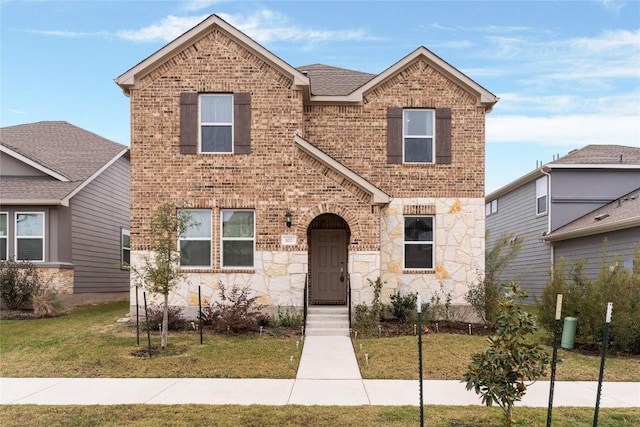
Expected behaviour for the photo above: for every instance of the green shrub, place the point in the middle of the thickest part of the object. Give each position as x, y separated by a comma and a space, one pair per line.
368, 317
404, 306
440, 305
287, 318
587, 301
483, 298
19, 281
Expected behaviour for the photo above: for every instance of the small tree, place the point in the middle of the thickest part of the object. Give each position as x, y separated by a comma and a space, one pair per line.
159, 271
483, 296
499, 374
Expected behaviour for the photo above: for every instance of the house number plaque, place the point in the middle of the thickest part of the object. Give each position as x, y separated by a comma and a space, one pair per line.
289, 240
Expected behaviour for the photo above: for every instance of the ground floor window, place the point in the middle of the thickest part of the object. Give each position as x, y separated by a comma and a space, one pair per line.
4, 236
418, 242
195, 242
237, 238
125, 244
30, 236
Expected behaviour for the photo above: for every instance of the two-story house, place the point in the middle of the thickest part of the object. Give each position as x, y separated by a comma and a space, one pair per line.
64, 206
566, 209
316, 177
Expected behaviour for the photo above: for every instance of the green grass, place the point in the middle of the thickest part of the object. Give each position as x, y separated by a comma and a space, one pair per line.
190, 415
89, 343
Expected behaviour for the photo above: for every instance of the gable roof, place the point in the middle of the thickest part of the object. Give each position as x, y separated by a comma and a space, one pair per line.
588, 157
621, 214
326, 80
332, 84
70, 157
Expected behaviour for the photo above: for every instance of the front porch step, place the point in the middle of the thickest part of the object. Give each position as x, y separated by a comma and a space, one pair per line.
327, 321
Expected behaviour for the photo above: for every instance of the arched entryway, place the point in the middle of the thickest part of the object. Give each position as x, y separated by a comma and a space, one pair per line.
328, 236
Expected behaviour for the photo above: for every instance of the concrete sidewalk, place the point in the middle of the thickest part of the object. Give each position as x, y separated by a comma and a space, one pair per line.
345, 392
328, 375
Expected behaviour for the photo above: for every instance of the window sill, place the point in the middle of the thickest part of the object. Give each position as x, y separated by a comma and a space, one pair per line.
217, 270
415, 271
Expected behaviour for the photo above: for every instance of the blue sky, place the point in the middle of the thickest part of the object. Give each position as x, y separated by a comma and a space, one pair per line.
567, 72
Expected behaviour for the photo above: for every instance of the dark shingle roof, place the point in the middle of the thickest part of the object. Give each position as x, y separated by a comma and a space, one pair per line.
332, 81
620, 214
602, 155
61, 147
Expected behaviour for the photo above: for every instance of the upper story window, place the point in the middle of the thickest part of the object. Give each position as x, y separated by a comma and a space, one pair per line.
541, 196
491, 208
30, 236
418, 136
216, 123
418, 242
4, 236
238, 238
125, 247
195, 242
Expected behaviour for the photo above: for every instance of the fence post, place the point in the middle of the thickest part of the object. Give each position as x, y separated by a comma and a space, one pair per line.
605, 344
554, 359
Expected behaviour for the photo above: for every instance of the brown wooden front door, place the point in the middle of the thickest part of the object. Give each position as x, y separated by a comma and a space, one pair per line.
329, 266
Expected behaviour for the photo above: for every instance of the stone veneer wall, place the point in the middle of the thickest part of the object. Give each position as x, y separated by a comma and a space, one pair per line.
59, 278
459, 246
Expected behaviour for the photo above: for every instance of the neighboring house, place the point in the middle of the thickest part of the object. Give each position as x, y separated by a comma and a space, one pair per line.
566, 208
64, 205
313, 177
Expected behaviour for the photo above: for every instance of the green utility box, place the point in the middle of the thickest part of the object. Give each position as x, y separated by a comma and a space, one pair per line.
568, 332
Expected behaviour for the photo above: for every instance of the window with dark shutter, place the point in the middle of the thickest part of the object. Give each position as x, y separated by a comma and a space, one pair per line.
394, 135
242, 123
188, 123
443, 136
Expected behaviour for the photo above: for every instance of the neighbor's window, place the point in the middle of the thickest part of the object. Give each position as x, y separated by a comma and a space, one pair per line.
30, 236
491, 208
238, 238
4, 236
125, 246
216, 123
195, 242
418, 242
541, 195
418, 135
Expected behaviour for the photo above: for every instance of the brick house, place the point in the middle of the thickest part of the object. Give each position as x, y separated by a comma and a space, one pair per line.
313, 177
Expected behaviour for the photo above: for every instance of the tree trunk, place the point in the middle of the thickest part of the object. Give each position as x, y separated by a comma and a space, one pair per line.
165, 322
509, 414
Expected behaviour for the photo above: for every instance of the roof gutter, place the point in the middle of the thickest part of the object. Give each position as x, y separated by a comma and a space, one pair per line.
588, 231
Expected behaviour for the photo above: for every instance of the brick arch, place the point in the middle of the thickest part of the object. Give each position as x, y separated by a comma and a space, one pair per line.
329, 208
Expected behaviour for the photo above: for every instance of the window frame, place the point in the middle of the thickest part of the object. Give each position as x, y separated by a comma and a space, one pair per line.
198, 239
540, 196
202, 124
432, 242
123, 264
244, 239
432, 136
6, 236
42, 236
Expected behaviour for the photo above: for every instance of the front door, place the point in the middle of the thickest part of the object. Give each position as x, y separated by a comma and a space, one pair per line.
329, 266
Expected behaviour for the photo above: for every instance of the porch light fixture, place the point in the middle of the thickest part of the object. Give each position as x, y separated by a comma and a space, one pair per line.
287, 219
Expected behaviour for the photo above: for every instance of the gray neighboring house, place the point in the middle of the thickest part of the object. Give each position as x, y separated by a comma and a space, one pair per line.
560, 210
64, 205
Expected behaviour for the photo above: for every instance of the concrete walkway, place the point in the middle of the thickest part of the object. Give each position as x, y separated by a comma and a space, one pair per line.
328, 375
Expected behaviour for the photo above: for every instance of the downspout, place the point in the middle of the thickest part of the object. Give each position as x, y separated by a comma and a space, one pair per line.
548, 213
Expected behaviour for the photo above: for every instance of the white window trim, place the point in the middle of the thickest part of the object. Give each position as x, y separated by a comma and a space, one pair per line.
193, 239
16, 238
222, 239
214, 124
433, 136
539, 196
125, 232
420, 242
6, 238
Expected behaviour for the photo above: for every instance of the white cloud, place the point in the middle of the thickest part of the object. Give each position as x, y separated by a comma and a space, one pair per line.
266, 26
194, 5
166, 30
574, 130
16, 111
69, 34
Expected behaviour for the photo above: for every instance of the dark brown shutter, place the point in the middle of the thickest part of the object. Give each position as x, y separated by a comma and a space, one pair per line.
443, 135
394, 135
242, 123
188, 123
